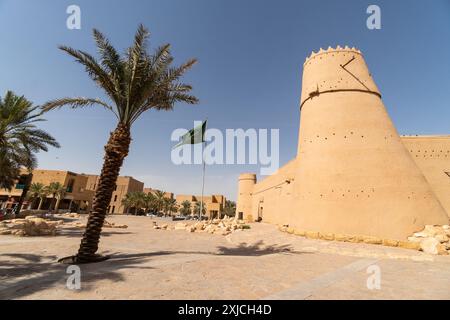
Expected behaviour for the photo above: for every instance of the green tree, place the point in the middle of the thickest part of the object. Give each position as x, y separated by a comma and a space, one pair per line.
37, 191
171, 206
135, 200
58, 191
185, 209
160, 197
20, 138
134, 83
229, 208
197, 208
150, 203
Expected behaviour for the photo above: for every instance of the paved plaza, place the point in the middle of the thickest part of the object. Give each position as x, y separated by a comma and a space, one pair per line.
260, 263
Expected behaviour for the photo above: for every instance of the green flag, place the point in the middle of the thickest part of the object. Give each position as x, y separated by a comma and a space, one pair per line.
194, 136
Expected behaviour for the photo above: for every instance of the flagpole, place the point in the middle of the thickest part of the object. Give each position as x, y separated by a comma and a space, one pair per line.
204, 169
203, 181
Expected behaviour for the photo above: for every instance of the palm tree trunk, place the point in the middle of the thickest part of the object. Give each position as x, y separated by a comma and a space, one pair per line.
115, 151
58, 201
41, 201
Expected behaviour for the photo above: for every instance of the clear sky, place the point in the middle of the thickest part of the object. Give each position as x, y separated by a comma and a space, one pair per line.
249, 72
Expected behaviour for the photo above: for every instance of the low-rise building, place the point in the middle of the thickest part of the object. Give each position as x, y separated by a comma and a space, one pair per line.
124, 185
76, 196
214, 204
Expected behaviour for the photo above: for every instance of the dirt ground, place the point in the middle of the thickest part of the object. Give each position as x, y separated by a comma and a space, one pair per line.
260, 263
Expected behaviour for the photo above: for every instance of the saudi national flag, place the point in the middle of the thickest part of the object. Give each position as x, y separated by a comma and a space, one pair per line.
194, 136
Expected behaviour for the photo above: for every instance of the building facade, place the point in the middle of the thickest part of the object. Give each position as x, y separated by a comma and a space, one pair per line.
124, 185
76, 198
353, 174
214, 204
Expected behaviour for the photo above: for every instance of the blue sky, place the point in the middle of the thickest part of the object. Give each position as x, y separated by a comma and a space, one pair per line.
249, 72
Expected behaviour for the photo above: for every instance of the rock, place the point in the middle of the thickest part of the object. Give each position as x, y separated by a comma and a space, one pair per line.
312, 234
164, 226
389, 243
430, 245
409, 245
180, 226
190, 229
414, 239
4, 231
20, 233
372, 240
156, 227
441, 238
354, 239
340, 237
299, 233
290, 230
327, 236
441, 249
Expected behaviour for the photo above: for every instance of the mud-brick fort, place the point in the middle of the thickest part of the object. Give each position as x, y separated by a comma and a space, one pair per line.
353, 173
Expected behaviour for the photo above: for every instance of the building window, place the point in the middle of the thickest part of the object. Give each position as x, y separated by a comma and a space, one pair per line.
240, 215
113, 208
70, 185
115, 198
115, 188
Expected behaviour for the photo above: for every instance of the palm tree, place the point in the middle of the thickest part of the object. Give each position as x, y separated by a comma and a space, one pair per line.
58, 191
150, 203
134, 83
171, 205
128, 201
20, 139
197, 209
37, 191
230, 208
185, 209
159, 200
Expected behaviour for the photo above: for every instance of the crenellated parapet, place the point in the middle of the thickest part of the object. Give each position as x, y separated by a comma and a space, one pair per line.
336, 69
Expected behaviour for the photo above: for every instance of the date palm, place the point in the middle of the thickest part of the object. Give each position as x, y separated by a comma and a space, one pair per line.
134, 83
37, 191
58, 191
170, 205
160, 197
150, 202
185, 209
20, 138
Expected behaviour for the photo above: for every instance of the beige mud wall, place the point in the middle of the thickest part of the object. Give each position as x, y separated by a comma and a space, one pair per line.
432, 156
272, 197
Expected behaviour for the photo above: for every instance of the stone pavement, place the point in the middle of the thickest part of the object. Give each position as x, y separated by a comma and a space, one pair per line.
261, 263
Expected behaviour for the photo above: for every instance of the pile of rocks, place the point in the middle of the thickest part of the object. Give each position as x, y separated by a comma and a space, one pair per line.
71, 215
30, 226
432, 240
223, 226
114, 225
106, 224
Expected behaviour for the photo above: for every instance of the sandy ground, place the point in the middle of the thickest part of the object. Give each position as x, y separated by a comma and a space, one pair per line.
261, 263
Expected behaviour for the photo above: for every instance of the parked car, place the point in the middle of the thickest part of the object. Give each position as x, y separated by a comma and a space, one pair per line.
177, 218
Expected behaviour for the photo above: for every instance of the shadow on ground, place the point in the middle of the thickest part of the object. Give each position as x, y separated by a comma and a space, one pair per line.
25, 274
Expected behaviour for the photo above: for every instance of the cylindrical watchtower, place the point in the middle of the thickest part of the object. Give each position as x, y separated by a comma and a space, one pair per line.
244, 200
354, 174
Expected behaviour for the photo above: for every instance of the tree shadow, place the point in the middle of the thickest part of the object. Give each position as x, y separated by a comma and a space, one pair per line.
75, 232
256, 249
24, 274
